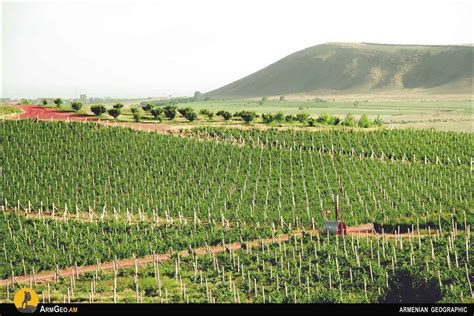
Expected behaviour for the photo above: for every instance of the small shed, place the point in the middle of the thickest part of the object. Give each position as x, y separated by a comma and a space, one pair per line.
338, 226
335, 227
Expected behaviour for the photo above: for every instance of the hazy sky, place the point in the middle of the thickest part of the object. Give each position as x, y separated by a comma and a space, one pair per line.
156, 48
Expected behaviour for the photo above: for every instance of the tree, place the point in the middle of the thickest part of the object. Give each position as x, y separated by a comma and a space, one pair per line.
378, 121
58, 102
225, 114
197, 95
302, 117
118, 106
76, 105
188, 113
364, 121
170, 111
156, 112
133, 109
45, 102
24, 101
207, 113
147, 107
349, 120
279, 117
264, 99
247, 116
136, 116
182, 111
282, 98
267, 118
98, 109
114, 113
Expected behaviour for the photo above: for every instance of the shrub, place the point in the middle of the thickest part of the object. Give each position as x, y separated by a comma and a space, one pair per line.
412, 286
349, 120
364, 121
134, 109
311, 122
114, 112
282, 98
98, 109
76, 106
118, 106
378, 121
279, 117
326, 118
267, 118
290, 118
45, 102
302, 117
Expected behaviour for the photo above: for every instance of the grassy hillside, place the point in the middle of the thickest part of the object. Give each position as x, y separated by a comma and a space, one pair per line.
348, 68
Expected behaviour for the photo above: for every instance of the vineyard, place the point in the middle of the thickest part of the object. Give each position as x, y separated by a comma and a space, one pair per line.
76, 194
301, 270
390, 144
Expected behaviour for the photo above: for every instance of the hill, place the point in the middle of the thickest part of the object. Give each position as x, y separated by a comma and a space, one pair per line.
358, 68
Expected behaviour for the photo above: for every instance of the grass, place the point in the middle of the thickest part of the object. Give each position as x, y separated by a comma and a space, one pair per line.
8, 110
440, 115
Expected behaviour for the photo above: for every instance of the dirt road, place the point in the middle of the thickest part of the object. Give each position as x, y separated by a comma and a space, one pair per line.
51, 275
361, 230
47, 113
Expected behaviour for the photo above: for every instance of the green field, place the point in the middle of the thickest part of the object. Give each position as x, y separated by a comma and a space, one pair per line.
301, 270
439, 115
77, 194
6, 111
443, 115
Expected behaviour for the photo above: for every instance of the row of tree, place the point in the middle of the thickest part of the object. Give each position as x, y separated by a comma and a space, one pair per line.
170, 112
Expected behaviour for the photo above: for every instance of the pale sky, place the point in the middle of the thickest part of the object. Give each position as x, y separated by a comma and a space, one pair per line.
156, 48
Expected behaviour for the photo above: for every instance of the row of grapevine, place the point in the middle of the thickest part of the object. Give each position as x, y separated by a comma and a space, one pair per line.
33, 245
390, 144
57, 165
350, 269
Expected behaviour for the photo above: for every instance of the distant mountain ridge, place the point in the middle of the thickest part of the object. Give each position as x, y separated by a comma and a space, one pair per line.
353, 68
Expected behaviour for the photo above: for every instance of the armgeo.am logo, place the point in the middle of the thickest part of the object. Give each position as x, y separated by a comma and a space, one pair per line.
26, 300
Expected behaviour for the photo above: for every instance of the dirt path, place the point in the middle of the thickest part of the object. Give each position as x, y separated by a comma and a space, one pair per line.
124, 263
361, 230
47, 113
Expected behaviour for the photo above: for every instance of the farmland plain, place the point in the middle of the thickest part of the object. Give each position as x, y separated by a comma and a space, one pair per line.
78, 194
